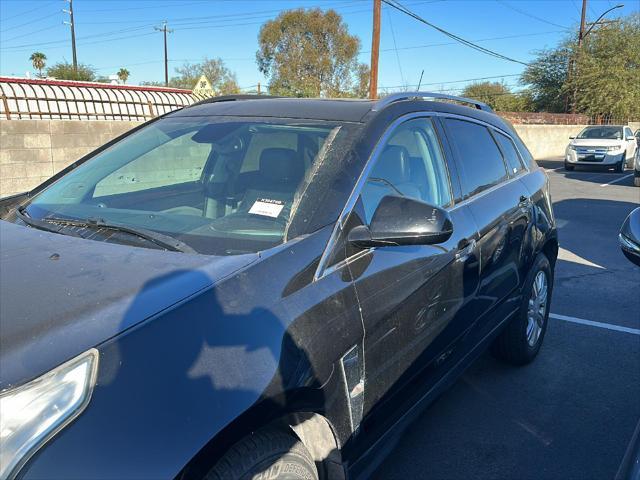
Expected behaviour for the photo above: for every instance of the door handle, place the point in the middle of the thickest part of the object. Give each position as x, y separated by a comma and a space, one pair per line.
465, 250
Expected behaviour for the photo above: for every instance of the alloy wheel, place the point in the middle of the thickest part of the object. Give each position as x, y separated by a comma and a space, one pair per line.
537, 308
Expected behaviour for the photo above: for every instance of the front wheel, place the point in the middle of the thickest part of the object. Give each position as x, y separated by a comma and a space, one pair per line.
620, 166
568, 167
522, 338
266, 454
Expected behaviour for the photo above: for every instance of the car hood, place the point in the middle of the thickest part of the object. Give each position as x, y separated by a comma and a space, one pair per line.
61, 295
595, 142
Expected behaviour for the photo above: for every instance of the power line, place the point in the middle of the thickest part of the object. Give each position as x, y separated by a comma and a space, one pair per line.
443, 44
86, 37
395, 47
39, 7
35, 20
28, 34
448, 82
395, 4
531, 15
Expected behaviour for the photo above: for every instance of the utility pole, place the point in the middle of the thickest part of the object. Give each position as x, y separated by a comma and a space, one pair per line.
583, 18
375, 50
72, 24
165, 30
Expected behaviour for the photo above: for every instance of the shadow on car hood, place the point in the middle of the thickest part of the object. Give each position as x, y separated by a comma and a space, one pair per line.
61, 295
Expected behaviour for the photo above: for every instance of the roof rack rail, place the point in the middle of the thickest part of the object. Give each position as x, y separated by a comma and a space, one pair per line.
396, 97
232, 98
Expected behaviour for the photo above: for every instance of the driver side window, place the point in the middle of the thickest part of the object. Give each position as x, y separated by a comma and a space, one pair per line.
411, 164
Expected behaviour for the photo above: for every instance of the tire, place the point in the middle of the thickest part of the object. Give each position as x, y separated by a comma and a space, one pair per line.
266, 454
620, 166
636, 181
514, 345
568, 167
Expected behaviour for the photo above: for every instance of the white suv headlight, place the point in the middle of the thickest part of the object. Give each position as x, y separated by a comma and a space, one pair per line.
34, 412
614, 148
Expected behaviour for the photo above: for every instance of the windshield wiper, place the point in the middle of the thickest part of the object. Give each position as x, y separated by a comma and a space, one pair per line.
164, 241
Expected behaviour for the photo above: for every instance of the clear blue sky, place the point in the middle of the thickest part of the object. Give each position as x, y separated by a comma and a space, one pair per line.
119, 33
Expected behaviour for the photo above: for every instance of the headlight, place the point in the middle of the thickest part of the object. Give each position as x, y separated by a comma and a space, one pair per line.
614, 148
572, 147
34, 412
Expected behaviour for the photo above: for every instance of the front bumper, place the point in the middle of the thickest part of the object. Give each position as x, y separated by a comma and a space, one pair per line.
606, 159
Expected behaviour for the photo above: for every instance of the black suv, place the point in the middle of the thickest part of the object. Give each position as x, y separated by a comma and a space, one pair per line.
265, 287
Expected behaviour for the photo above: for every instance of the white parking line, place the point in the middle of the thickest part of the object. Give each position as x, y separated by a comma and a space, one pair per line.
616, 180
607, 326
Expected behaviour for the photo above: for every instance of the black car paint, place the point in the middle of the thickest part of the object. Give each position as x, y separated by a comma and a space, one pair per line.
630, 231
197, 351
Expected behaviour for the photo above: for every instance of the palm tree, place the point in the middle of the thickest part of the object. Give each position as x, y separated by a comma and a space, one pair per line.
123, 74
38, 59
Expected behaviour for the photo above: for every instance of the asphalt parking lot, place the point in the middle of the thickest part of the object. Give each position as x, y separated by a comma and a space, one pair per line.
572, 412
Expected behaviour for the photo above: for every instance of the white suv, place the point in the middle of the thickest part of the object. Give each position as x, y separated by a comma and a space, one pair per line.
606, 145
636, 169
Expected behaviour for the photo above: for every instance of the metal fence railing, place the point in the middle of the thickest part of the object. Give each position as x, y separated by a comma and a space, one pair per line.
68, 100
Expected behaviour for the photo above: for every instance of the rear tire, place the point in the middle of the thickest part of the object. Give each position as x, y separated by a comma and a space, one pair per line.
266, 454
520, 341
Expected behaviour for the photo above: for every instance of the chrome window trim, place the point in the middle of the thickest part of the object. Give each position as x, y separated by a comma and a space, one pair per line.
322, 268
489, 190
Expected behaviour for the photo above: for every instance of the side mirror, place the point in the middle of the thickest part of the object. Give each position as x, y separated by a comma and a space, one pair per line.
630, 138
630, 237
403, 221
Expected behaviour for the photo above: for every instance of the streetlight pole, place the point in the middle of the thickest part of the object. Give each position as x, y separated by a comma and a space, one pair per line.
599, 18
581, 36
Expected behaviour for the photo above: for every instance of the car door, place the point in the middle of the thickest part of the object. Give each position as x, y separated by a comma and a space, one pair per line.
501, 207
412, 298
630, 141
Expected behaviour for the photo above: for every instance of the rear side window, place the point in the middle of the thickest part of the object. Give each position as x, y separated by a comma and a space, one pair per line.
480, 158
510, 153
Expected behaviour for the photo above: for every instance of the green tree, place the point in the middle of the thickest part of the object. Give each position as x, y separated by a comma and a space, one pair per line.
363, 76
65, 71
123, 75
310, 53
545, 78
38, 59
222, 80
498, 96
606, 77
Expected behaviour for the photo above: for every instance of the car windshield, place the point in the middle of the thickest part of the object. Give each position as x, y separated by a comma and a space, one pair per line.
220, 186
608, 133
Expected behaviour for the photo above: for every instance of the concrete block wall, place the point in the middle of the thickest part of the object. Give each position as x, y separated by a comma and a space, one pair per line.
32, 151
547, 141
